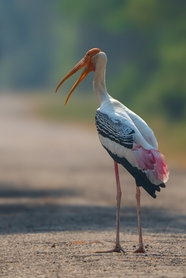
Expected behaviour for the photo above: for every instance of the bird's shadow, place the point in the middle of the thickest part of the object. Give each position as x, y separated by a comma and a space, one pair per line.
42, 212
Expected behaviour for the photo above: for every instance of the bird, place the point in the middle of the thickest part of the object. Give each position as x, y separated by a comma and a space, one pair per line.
125, 136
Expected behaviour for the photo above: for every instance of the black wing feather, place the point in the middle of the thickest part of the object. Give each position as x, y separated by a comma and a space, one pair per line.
114, 130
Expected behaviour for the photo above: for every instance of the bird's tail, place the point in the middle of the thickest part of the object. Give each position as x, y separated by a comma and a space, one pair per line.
152, 164
141, 180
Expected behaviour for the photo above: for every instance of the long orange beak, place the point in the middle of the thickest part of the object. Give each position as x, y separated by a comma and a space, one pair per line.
86, 62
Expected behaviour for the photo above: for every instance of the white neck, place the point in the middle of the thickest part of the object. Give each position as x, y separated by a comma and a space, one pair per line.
99, 85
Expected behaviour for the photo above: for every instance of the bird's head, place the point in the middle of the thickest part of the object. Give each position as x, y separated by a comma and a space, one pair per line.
87, 63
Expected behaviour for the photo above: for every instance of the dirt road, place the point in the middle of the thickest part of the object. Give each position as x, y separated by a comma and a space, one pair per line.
57, 205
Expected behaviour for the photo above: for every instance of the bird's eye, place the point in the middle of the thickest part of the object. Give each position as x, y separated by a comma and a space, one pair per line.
88, 54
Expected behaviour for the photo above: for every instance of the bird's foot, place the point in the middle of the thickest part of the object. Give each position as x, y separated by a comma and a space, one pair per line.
141, 249
117, 249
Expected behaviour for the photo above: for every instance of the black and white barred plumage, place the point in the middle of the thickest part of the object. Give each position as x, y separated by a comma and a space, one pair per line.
114, 130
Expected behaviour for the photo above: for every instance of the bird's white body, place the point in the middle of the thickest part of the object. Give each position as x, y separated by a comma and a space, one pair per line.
144, 153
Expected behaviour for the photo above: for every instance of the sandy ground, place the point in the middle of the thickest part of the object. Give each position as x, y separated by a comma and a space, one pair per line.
57, 205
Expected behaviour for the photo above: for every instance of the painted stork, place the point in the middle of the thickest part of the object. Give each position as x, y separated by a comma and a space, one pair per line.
125, 136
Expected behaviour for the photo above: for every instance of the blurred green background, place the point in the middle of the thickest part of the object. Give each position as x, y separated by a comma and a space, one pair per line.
145, 42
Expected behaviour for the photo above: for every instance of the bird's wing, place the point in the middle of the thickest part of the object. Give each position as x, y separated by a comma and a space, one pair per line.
125, 141
143, 128
144, 136
114, 130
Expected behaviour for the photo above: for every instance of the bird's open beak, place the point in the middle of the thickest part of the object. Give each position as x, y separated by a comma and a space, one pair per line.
86, 62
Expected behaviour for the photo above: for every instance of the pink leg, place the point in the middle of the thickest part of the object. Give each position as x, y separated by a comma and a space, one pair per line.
141, 248
117, 247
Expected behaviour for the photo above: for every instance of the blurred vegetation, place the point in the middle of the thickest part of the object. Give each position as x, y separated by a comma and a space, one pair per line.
145, 42
34, 41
